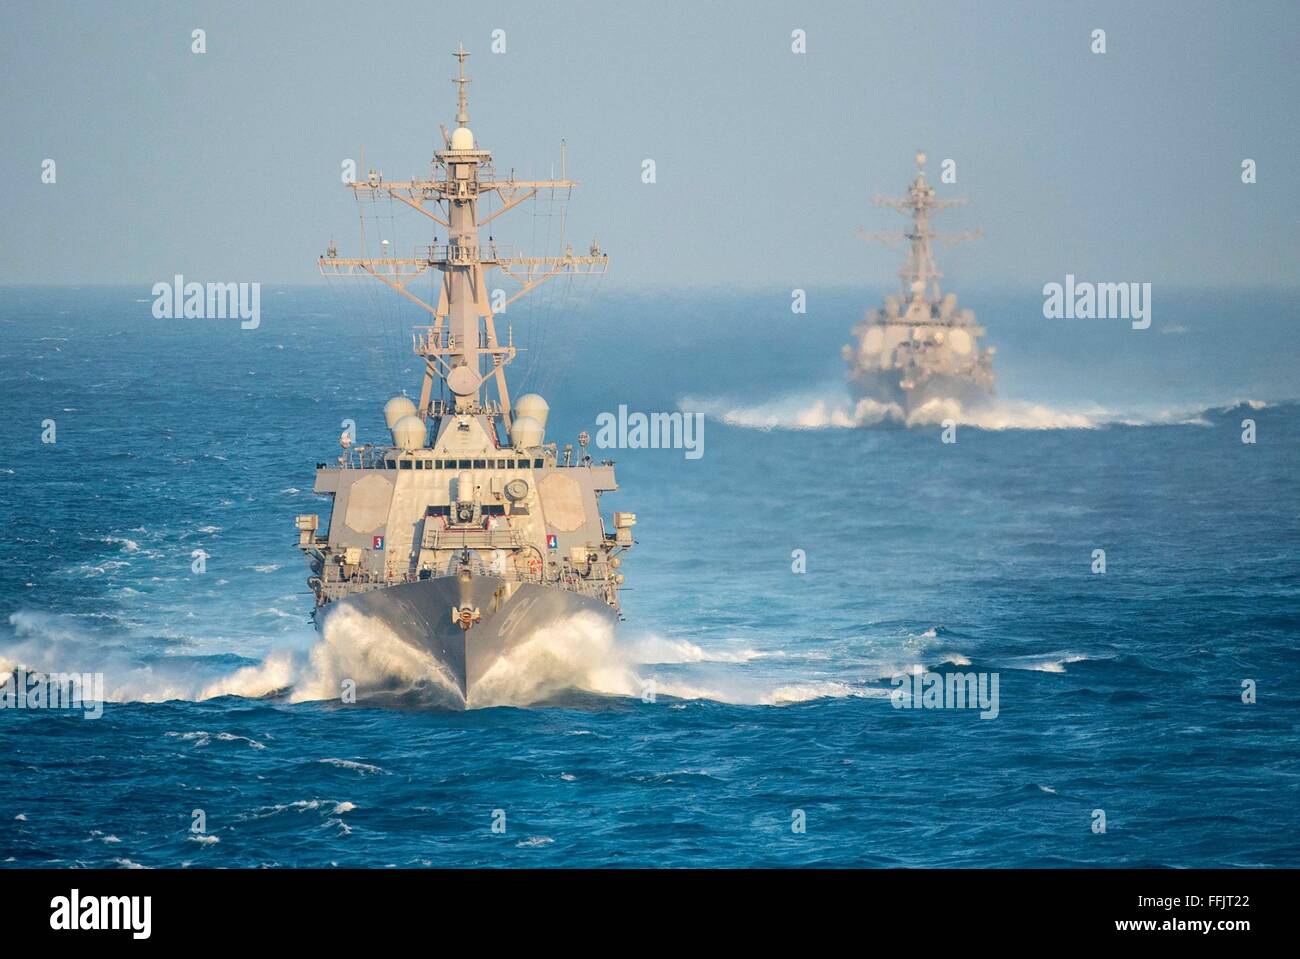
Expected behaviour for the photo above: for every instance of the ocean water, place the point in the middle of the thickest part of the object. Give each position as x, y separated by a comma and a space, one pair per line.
1120, 692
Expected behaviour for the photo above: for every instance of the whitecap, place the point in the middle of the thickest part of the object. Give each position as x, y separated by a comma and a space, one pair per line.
231, 737
353, 764
534, 841
1046, 662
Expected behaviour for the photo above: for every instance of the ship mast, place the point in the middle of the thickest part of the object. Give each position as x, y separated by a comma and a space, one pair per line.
461, 346
920, 204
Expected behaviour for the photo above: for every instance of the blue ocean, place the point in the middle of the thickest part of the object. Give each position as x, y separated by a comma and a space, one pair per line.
1147, 714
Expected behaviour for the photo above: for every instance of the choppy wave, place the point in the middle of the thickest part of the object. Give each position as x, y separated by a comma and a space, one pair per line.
355, 766
202, 738
652, 649
1046, 662
818, 412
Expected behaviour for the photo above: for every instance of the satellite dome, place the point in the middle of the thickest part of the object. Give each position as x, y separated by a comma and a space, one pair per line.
462, 139
525, 433
409, 433
534, 407
396, 408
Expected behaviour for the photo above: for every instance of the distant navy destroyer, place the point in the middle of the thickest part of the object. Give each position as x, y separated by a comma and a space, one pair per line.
467, 533
920, 348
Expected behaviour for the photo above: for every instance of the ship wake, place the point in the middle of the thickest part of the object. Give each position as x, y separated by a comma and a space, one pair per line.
814, 412
584, 654
353, 656
359, 653
357, 657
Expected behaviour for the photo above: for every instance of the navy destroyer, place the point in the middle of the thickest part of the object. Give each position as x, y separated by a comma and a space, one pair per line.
919, 350
468, 532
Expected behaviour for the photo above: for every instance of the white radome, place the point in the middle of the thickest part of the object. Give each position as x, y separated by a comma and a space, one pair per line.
534, 407
462, 139
959, 340
410, 433
526, 433
396, 408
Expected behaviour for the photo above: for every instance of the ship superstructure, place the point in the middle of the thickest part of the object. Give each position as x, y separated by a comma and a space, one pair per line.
468, 532
919, 347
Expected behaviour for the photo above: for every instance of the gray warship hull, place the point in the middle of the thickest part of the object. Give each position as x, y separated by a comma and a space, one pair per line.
470, 534
511, 613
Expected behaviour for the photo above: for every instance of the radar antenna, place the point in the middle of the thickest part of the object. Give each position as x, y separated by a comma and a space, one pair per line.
920, 204
460, 346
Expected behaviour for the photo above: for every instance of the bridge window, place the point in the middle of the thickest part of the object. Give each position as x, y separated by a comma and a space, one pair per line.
480, 464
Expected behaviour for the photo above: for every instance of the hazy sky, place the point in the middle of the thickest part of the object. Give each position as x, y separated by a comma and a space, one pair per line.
225, 166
